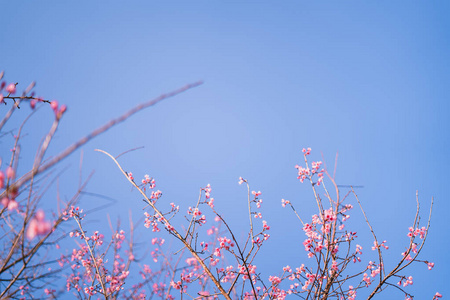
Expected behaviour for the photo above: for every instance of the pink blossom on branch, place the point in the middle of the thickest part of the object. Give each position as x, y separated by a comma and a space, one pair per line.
11, 88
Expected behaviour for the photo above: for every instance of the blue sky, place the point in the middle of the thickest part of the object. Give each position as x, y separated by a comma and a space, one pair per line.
367, 79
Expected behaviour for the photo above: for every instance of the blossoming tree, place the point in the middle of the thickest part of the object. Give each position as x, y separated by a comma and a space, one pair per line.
211, 264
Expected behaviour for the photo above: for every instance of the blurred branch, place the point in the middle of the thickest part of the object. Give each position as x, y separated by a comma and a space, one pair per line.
69, 150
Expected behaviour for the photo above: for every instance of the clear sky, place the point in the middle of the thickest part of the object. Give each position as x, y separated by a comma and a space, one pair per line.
369, 79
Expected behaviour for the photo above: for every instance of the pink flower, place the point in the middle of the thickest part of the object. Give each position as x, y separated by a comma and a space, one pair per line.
38, 225
33, 103
408, 281
2, 179
275, 280
11, 204
287, 269
54, 105
256, 193
351, 293
48, 291
366, 279
285, 202
176, 285
130, 175
11, 88
10, 173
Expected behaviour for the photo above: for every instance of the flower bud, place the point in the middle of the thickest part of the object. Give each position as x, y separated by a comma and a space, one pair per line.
54, 105
10, 173
11, 88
